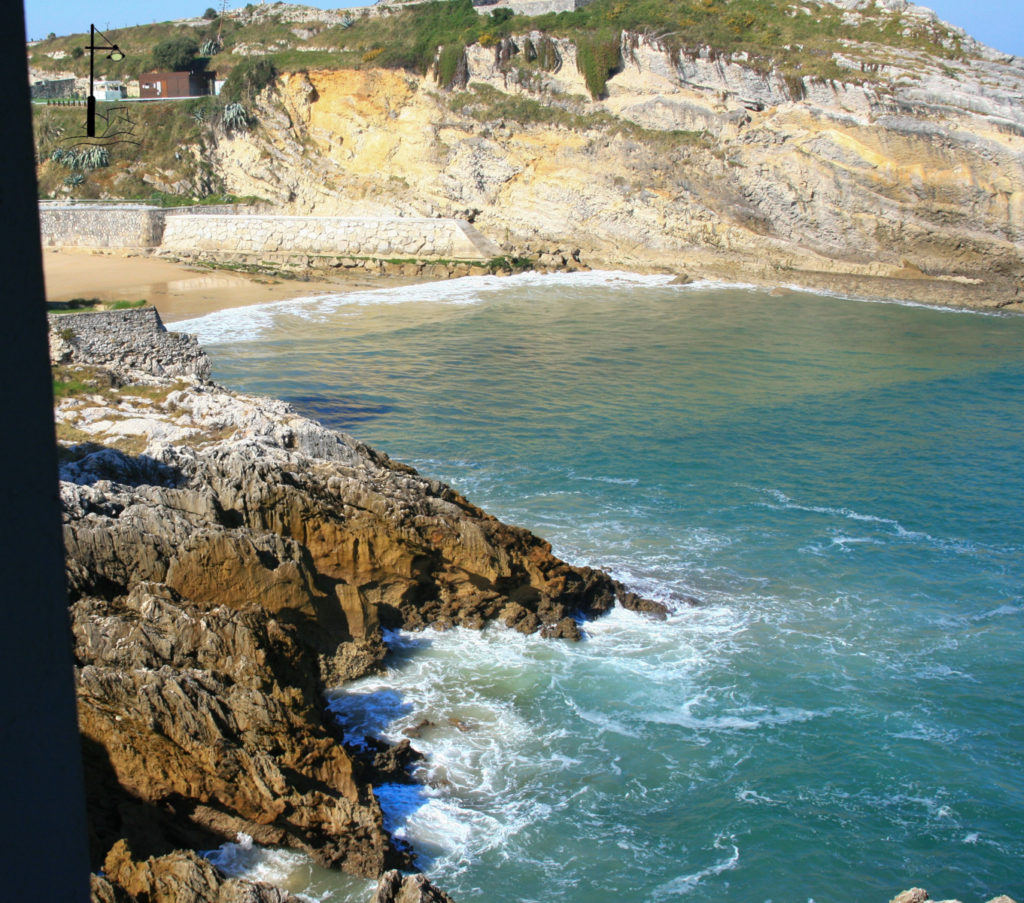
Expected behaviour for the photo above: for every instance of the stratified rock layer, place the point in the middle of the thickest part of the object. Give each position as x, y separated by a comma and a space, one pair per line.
218, 587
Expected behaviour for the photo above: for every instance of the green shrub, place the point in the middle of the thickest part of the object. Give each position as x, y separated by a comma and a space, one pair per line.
598, 57
175, 54
451, 66
95, 157
248, 79
548, 57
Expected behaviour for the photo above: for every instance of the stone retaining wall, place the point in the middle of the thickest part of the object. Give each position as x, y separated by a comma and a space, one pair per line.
100, 227
328, 236
197, 232
540, 7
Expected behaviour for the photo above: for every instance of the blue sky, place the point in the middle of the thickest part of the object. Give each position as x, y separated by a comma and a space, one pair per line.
990, 21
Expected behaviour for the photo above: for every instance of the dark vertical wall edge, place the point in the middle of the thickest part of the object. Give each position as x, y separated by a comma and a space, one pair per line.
45, 847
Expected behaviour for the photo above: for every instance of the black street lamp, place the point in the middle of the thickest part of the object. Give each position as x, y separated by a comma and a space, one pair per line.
116, 55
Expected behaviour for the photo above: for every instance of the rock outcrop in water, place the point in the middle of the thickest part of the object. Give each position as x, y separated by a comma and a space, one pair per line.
393, 887
227, 560
920, 895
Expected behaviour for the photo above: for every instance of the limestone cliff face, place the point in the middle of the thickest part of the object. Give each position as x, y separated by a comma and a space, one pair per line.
222, 578
692, 161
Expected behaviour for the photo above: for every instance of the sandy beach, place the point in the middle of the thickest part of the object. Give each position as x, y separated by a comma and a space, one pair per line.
180, 292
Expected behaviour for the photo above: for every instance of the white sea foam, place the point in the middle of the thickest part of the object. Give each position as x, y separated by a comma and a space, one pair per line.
752, 796
685, 884
740, 721
288, 869
246, 324
898, 302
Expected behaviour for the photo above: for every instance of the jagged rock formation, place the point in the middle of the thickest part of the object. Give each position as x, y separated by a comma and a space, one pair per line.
218, 587
393, 887
181, 875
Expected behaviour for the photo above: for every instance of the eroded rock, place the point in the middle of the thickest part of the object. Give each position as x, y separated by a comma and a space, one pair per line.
178, 876
217, 589
393, 887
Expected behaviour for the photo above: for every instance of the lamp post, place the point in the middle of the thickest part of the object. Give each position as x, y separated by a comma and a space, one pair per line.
116, 55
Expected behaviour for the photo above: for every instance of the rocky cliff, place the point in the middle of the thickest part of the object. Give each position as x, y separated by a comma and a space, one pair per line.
902, 175
228, 560
858, 146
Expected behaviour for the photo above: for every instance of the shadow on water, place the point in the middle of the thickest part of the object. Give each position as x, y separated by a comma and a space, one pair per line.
364, 718
337, 412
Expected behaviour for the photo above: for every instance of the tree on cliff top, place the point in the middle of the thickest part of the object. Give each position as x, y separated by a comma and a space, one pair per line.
175, 54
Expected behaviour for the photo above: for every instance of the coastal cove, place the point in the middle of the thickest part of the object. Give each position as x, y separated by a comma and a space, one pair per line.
525, 451
836, 484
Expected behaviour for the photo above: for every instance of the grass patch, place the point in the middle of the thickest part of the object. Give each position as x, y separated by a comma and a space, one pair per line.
72, 387
163, 199
158, 394
73, 380
73, 444
486, 104
86, 305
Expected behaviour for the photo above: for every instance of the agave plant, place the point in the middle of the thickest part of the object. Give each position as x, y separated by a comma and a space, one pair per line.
72, 158
210, 47
348, 22
59, 155
235, 117
95, 157
74, 180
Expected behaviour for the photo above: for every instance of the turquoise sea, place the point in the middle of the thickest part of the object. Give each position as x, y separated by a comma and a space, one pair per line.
828, 493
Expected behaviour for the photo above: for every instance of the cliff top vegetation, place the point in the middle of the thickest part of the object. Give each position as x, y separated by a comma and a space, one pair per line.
806, 38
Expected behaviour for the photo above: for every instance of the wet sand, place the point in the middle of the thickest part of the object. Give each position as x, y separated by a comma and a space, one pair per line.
180, 292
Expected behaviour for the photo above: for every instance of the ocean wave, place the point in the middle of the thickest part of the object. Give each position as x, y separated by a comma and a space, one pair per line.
738, 721
895, 530
752, 796
249, 323
898, 302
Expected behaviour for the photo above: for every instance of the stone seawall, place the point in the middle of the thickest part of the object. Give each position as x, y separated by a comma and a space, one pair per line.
234, 235
426, 238
100, 227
